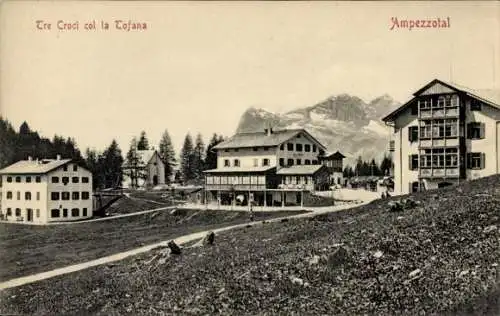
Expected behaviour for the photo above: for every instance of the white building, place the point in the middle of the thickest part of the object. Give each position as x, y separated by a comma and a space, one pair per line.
47, 190
149, 168
272, 167
446, 133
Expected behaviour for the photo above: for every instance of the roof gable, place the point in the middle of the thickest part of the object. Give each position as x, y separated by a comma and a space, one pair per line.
436, 87
34, 166
260, 139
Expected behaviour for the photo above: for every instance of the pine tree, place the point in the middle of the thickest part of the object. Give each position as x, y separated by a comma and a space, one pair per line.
198, 157
187, 159
143, 143
211, 154
132, 161
167, 155
112, 160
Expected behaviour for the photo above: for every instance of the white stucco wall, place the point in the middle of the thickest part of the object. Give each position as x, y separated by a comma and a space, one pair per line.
246, 156
403, 176
44, 204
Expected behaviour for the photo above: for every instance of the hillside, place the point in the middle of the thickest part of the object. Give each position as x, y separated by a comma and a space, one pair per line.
342, 122
439, 257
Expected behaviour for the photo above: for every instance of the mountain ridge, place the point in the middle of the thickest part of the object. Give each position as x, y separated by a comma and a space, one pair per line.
341, 122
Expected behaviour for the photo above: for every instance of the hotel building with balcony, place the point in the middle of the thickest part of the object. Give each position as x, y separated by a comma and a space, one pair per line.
271, 168
444, 134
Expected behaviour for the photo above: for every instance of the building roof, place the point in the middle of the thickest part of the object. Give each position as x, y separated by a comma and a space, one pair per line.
259, 139
300, 170
34, 166
490, 97
239, 169
335, 155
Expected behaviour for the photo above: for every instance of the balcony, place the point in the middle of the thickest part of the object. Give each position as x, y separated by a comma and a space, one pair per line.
439, 112
452, 172
235, 187
441, 142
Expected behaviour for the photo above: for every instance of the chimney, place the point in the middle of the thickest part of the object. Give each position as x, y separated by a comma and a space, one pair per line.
58, 157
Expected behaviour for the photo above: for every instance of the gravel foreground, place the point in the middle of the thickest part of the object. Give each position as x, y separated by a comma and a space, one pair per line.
438, 258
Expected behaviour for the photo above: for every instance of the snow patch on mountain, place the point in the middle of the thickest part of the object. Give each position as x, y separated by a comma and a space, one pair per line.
376, 127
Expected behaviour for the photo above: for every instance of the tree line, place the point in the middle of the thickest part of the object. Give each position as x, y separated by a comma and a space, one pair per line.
369, 168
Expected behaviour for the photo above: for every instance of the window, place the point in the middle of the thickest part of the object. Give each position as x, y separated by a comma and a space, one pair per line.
75, 212
27, 196
282, 147
54, 213
413, 164
85, 195
475, 105
414, 109
18, 212
289, 147
75, 168
38, 196
290, 162
84, 210
54, 196
298, 147
236, 150
75, 179
65, 196
9, 211
9, 179
425, 103
255, 162
314, 148
475, 130
9, 195
441, 102
28, 179
413, 133
226, 162
307, 162
18, 195
85, 179
297, 179
414, 186
65, 212
37, 212
55, 180
65, 168
18, 179
314, 162
476, 160
236, 162
266, 148
265, 162
282, 162
38, 179
255, 148
299, 162
75, 196
307, 148
65, 180
226, 150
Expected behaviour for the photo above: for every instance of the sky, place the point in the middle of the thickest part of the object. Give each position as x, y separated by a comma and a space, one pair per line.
198, 66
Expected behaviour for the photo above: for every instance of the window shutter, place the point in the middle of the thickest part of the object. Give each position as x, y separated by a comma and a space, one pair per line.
482, 129
409, 163
468, 161
483, 160
468, 131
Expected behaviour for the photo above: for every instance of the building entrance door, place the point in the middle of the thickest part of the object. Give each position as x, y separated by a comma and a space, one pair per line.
29, 215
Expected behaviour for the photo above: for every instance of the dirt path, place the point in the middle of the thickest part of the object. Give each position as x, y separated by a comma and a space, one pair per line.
180, 240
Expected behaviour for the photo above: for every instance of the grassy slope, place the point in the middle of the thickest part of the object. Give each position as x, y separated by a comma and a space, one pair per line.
452, 240
31, 249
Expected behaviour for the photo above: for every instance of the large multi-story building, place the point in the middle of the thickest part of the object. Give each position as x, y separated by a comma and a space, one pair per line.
47, 190
446, 133
275, 167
